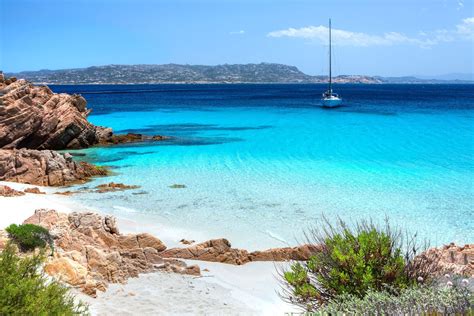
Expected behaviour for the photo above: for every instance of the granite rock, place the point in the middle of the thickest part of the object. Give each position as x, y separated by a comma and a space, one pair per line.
90, 252
44, 167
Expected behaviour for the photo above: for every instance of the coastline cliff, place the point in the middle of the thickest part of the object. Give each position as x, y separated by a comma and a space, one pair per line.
34, 122
34, 117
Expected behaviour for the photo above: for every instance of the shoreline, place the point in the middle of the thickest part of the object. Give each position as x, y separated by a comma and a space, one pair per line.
18, 208
222, 288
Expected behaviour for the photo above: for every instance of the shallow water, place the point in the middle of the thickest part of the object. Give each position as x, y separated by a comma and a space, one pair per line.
262, 162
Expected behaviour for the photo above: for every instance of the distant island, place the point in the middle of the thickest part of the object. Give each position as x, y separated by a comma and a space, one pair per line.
175, 73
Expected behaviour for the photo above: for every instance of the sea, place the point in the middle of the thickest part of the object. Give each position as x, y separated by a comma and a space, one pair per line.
261, 164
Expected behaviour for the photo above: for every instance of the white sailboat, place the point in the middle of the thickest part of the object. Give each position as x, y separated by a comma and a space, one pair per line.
330, 99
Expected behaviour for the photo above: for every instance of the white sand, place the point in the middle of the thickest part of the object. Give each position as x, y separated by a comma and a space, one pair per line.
225, 289
167, 294
14, 210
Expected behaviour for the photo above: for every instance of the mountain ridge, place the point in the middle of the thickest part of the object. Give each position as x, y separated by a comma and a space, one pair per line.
185, 73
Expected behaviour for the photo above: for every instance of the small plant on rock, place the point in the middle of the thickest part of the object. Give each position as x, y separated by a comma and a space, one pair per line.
29, 237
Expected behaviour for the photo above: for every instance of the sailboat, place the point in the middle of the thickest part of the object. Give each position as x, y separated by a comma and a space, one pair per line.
330, 99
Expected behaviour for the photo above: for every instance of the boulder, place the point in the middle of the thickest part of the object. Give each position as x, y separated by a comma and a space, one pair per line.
44, 167
6, 191
33, 191
186, 242
298, 253
146, 240
67, 270
453, 259
128, 242
216, 250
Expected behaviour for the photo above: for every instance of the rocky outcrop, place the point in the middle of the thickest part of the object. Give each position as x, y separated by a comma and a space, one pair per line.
220, 250
44, 167
449, 258
90, 252
299, 253
454, 259
6, 191
217, 250
34, 117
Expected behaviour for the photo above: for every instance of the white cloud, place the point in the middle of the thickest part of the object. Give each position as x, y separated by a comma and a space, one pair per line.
241, 32
466, 28
342, 37
348, 38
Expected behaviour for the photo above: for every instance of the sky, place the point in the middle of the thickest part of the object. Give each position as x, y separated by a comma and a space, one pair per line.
371, 37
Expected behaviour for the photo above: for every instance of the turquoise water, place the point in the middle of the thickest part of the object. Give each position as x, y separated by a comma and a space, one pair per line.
260, 163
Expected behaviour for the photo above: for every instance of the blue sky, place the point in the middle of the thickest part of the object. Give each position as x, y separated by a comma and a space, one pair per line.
376, 37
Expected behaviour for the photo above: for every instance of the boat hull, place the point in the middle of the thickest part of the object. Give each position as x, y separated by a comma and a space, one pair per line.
331, 102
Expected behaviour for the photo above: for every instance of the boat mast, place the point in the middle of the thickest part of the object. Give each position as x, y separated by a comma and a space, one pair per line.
330, 74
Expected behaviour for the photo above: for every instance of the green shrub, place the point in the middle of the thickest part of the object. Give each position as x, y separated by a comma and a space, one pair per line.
24, 290
29, 237
415, 300
354, 261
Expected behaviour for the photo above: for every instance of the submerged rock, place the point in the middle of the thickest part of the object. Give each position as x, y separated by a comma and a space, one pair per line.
112, 187
114, 139
177, 186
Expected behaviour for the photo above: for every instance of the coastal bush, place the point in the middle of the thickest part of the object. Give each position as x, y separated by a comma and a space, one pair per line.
416, 300
25, 290
353, 261
29, 237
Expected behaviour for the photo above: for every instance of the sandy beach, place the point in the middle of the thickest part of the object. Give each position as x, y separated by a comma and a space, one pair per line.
223, 289
14, 210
